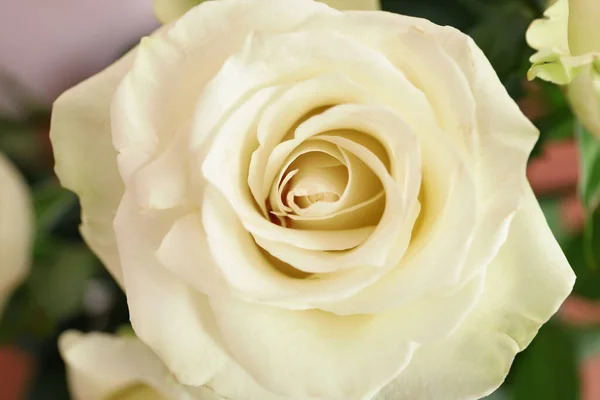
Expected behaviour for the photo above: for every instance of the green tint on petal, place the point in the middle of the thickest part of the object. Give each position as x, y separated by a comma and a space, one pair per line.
170, 10
364, 5
137, 392
548, 66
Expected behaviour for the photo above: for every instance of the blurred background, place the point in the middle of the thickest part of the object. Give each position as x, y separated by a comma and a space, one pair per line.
48, 46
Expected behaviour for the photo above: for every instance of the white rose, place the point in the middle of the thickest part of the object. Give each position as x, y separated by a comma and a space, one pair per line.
102, 367
16, 222
568, 47
303, 203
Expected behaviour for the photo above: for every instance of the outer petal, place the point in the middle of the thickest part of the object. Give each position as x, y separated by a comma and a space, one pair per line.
170, 10
526, 283
234, 383
16, 223
166, 312
314, 354
102, 366
86, 161
155, 102
338, 357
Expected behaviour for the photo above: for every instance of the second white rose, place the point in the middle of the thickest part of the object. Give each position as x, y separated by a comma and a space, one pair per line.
302, 203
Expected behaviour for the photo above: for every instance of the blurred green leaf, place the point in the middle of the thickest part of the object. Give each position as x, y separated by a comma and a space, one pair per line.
589, 188
442, 12
588, 341
58, 284
587, 284
552, 209
51, 202
500, 394
547, 369
500, 32
558, 121
589, 149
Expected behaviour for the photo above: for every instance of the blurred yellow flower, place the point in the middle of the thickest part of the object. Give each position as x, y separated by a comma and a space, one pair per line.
568, 47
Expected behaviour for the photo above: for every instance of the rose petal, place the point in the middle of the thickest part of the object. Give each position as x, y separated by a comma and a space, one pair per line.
185, 344
338, 357
525, 285
255, 277
184, 251
282, 116
226, 168
86, 159
392, 232
147, 111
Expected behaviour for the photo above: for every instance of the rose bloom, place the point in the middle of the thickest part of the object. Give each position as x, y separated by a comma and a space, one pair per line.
568, 47
304, 203
16, 229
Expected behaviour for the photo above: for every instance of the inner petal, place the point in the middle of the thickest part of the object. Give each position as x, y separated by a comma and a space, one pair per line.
360, 204
320, 181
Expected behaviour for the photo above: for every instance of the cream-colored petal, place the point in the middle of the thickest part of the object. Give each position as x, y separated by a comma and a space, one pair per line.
163, 183
257, 279
158, 95
246, 72
305, 354
184, 251
234, 383
366, 350
448, 206
281, 116
506, 140
525, 285
409, 45
16, 229
504, 136
187, 342
392, 233
584, 18
324, 155
101, 366
86, 161
226, 167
